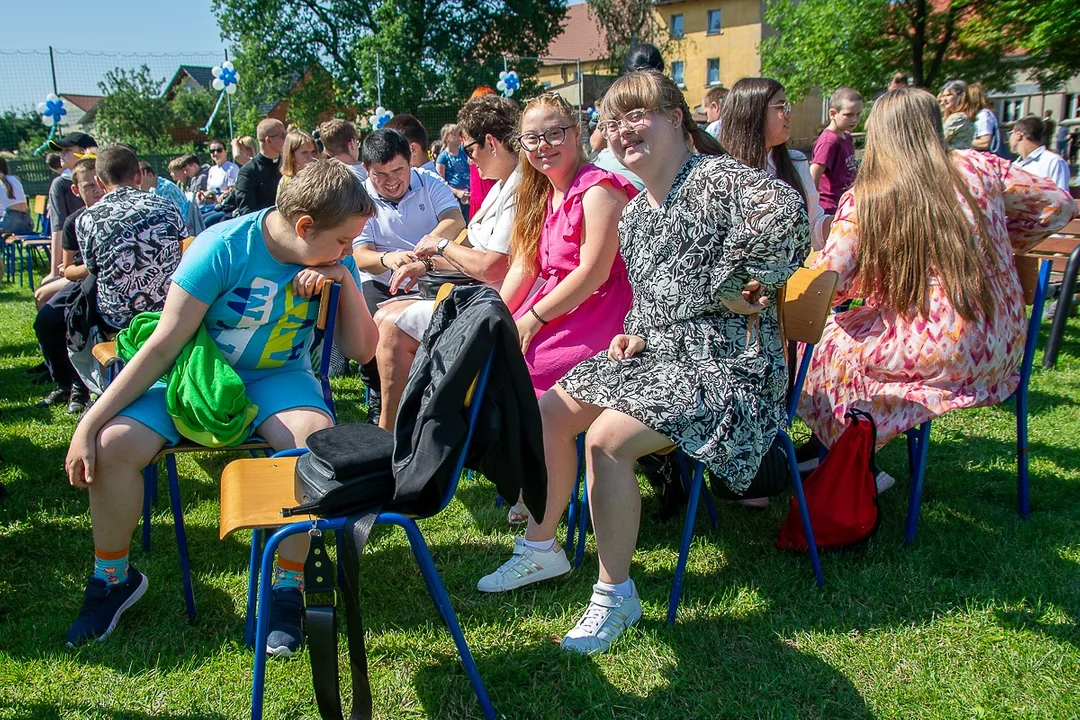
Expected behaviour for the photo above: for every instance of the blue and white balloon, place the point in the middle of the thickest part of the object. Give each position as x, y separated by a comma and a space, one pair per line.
380, 118
509, 82
52, 110
225, 77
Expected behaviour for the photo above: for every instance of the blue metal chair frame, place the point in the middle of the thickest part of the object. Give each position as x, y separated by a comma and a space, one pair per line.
918, 438
19, 253
150, 472
260, 575
694, 479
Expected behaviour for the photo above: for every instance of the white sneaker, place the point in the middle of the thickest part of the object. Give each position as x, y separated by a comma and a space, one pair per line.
527, 566
603, 622
884, 481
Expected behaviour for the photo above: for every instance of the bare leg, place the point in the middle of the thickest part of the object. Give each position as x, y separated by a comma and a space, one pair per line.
285, 430
614, 442
564, 418
125, 447
394, 354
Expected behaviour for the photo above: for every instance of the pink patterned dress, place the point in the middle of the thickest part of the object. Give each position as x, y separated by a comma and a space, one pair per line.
905, 372
587, 329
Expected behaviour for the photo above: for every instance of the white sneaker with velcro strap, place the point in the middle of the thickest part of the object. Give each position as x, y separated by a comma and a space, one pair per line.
527, 566
604, 620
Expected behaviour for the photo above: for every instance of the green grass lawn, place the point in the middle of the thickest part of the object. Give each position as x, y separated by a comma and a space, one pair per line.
978, 619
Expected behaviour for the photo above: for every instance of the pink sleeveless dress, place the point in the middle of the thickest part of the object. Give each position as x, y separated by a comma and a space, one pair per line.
587, 329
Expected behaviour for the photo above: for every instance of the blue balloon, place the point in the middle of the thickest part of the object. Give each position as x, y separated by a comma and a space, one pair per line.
227, 76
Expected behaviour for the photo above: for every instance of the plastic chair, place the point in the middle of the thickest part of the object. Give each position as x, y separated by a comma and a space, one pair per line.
106, 354
805, 308
253, 492
1034, 275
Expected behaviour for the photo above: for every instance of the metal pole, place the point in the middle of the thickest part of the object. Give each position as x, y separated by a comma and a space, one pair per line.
580, 87
52, 64
378, 80
228, 99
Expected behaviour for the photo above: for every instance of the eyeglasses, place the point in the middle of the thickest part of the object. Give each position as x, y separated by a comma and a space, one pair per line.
552, 136
785, 108
634, 120
215, 151
468, 147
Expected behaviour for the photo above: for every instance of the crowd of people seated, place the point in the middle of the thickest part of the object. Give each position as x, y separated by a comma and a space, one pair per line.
643, 292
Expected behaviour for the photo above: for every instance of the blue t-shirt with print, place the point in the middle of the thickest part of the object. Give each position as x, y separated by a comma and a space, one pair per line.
457, 169
254, 317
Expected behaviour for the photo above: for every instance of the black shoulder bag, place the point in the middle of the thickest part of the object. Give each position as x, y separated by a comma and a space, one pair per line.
347, 472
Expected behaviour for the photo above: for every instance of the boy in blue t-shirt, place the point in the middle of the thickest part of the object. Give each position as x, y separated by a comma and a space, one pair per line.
251, 282
453, 166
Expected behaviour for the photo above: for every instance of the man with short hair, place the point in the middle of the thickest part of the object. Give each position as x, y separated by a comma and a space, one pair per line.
340, 142
130, 240
257, 181
62, 201
416, 134
712, 103
197, 173
411, 203
1025, 140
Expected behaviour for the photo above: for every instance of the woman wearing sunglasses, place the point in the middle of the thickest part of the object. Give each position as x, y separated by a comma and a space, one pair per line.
755, 127
701, 364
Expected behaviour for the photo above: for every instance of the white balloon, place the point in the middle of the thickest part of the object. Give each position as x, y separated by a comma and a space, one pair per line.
231, 89
236, 77
217, 84
51, 97
501, 86
509, 92
388, 114
373, 120
380, 111
216, 70
42, 107
228, 64
502, 75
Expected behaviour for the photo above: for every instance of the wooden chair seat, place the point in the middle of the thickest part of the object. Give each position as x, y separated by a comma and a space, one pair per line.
254, 491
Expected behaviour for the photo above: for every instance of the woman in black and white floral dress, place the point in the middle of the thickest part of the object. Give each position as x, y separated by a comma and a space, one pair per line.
701, 364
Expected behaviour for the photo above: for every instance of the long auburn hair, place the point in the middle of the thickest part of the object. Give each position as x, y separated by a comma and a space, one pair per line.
652, 89
3, 179
911, 227
533, 191
742, 129
966, 103
294, 140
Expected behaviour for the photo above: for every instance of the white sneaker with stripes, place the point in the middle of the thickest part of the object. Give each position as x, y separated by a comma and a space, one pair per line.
527, 566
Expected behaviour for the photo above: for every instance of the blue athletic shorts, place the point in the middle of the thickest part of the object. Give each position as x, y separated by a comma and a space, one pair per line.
273, 393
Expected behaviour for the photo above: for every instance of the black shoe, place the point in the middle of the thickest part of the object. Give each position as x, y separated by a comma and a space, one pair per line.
286, 613
57, 396
103, 605
37, 369
78, 400
374, 407
662, 473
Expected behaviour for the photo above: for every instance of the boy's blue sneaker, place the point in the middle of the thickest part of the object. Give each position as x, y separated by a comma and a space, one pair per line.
286, 614
103, 606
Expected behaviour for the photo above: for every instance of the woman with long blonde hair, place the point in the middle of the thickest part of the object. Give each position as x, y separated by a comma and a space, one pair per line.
926, 236
693, 368
987, 130
959, 112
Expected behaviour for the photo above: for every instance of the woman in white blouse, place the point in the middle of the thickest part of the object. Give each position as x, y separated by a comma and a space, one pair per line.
487, 124
755, 127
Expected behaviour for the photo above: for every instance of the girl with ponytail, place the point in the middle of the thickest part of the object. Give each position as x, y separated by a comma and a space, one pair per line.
699, 366
14, 212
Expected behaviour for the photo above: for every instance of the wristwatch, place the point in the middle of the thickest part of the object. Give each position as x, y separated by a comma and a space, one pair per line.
441, 245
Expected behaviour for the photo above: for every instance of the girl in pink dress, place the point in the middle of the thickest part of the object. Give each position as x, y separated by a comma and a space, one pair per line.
942, 326
567, 287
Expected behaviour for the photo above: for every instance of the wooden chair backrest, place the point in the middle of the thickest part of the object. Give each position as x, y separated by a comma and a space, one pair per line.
808, 298
1027, 267
39, 204
185, 244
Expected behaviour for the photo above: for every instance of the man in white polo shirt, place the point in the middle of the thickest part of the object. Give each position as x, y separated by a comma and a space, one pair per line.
411, 203
1026, 141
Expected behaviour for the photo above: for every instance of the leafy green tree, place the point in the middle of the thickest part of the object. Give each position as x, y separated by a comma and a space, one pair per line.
191, 108
424, 52
21, 130
133, 111
861, 43
626, 22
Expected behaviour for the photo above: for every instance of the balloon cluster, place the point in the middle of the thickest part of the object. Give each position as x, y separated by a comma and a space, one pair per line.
380, 118
225, 77
509, 82
52, 109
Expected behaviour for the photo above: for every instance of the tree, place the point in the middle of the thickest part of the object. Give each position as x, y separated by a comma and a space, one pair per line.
133, 111
20, 130
626, 22
191, 108
861, 43
425, 50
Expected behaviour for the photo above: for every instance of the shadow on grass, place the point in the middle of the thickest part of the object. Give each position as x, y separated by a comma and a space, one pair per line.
50, 712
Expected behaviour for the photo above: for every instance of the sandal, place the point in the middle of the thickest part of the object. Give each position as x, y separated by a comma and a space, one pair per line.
518, 515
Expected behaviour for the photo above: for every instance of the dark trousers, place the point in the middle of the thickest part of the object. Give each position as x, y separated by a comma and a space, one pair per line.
374, 293
50, 326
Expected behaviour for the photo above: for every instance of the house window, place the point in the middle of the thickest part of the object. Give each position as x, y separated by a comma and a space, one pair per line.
1072, 107
1013, 109
677, 72
712, 71
713, 22
676, 26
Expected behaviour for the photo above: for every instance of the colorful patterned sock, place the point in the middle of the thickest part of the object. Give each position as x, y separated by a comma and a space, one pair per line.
289, 574
112, 567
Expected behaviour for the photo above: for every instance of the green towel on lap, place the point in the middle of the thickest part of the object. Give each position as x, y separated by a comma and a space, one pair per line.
204, 395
